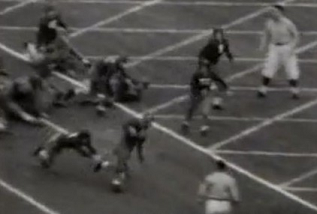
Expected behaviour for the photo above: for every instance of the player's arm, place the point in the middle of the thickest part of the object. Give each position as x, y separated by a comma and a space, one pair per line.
130, 130
234, 192
203, 190
265, 38
227, 50
295, 34
194, 84
61, 23
2, 69
139, 149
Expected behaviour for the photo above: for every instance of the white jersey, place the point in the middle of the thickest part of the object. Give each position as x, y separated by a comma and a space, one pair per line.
281, 32
220, 186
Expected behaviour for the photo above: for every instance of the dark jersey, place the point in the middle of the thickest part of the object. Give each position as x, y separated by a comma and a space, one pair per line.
71, 141
47, 34
137, 137
200, 81
214, 50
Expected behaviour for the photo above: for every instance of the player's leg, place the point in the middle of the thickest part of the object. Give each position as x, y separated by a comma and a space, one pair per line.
270, 68
3, 120
193, 103
206, 106
220, 89
293, 73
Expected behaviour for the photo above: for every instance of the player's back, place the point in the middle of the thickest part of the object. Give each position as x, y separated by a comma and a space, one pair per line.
220, 186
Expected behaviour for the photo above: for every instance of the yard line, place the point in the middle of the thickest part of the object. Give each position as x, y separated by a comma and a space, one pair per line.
152, 30
269, 154
16, 6
232, 88
40, 206
181, 3
301, 189
116, 17
189, 143
299, 178
263, 124
194, 59
240, 119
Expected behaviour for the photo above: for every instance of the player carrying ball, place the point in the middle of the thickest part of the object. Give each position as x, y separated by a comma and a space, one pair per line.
209, 57
133, 137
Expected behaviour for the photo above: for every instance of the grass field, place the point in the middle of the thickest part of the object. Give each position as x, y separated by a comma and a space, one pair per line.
269, 144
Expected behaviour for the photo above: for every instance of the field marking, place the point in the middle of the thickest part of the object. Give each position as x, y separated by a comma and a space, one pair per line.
269, 154
194, 59
232, 88
238, 119
115, 17
16, 6
263, 124
40, 206
301, 189
188, 142
235, 76
151, 30
299, 178
180, 3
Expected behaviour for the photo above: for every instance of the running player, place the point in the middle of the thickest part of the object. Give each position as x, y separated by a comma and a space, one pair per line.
77, 141
219, 191
280, 37
133, 137
200, 96
209, 57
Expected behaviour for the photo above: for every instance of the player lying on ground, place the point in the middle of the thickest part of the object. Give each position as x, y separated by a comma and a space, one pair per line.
209, 57
52, 41
77, 141
201, 96
133, 137
280, 37
109, 82
109, 77
20, 98
219, 191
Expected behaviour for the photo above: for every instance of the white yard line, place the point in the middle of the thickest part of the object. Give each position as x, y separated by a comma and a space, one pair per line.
232, 88
16, 6
301, 189
239, 119
116, 17
181, 3
40, 206
263, 124
269, 154
152, 30
191, 144
299, 178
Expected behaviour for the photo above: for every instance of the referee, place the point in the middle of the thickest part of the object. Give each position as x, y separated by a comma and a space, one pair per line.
219, 191
280, 38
